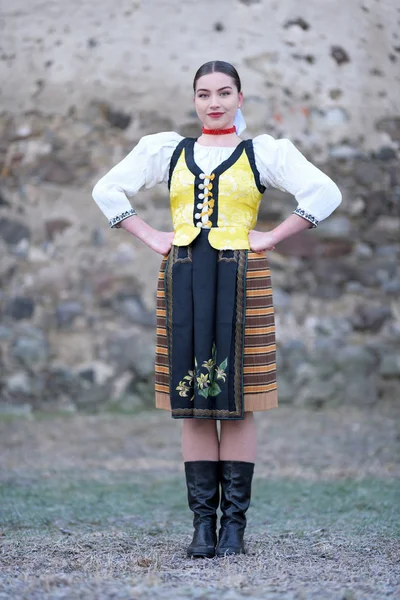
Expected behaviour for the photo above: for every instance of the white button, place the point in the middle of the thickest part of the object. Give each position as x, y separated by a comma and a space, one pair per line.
201, 186
199, 205
201, 175
197, 216
201, 196
198, 224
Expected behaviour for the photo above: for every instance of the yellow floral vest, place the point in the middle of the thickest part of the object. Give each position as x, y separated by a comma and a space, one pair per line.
226, 201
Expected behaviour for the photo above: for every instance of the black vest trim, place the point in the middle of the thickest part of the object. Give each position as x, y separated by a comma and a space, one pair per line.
175, 157
249, 148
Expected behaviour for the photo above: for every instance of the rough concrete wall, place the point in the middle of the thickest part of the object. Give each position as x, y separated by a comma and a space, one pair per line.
317, 72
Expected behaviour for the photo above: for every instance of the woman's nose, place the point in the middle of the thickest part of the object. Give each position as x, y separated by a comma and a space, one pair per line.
214, 103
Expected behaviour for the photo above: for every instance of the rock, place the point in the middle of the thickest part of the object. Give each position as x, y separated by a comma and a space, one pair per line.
354, 287
55, 170
299, 22
301, 244
94, 398
66, 312
134, 311
134, 353
286, 390
336, 227
19, 383
339, 55
331, 327
362, 250
20, 307
3, 201
118, 119
356, 208
367, 173
344, 152
328, 119
295, 354
355, 360
30, 351
370, 318
6, 333
385, 153
377, 204
144, 389
389, 226
392, 286
21, 250
87, 374
281, 299
391, 126
97, 372
316, 393
390, 365
152, 121
59, 381
388, 250
12, 231
55, 226
98, 237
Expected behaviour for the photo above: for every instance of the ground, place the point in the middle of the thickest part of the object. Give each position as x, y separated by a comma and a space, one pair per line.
94, 507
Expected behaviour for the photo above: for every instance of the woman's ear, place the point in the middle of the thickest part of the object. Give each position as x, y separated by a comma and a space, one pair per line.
240, 99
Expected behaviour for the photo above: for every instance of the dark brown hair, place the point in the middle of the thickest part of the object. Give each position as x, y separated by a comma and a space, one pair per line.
218, 66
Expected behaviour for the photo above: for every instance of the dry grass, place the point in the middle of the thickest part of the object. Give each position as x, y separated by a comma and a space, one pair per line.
93, 507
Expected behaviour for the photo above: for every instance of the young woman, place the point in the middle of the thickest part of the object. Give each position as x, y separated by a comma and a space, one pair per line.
215, 330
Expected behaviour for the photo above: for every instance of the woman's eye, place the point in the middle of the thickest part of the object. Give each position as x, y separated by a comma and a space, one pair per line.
225, 94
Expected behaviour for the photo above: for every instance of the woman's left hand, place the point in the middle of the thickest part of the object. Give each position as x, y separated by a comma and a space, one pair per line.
260, 241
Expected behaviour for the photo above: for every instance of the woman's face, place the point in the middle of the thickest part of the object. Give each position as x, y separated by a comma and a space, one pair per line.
216, 100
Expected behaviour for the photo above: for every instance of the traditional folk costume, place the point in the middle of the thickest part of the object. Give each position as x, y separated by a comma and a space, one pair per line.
215, 356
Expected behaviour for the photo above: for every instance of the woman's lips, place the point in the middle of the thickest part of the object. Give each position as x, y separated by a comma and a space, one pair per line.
215, 115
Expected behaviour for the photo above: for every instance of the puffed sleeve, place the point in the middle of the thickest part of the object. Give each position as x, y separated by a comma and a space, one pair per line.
145, 166
282, 166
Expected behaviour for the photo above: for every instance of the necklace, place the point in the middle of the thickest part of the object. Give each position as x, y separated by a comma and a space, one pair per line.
218, 131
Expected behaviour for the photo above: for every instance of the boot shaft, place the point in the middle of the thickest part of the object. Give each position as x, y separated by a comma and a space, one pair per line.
236, 480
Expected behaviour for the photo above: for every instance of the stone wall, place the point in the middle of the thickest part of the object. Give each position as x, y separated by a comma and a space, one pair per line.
77, 300
320, 72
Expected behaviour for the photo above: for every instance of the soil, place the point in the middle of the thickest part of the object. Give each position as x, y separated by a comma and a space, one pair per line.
94, 506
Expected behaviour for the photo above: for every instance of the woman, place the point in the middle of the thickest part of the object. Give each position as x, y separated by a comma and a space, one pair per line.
215, 330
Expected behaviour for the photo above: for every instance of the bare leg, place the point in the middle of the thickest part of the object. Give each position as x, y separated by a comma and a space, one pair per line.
200, 440
239, 439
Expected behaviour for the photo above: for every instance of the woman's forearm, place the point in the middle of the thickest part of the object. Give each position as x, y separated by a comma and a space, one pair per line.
293, 224
159, 241
139, 229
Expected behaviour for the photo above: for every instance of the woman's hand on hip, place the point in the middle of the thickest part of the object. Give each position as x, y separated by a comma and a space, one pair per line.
161, 241
260, 241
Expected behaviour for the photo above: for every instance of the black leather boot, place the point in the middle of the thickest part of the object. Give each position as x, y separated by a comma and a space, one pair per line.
235, 477
202, 480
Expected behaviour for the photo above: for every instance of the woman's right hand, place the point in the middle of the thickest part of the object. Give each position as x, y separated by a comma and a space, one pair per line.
161, 241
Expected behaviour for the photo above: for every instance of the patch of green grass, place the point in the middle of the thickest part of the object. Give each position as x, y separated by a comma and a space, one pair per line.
157, 503
356, 507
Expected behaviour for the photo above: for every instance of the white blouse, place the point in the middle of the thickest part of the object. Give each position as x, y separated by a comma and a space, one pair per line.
279, 163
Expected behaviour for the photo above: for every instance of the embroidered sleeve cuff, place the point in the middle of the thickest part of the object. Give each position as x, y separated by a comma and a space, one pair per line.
306, 215
115, 221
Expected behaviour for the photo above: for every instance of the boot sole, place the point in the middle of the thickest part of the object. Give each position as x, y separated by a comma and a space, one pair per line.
201, 553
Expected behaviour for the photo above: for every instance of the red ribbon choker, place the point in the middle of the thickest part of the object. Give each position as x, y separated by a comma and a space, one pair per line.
218, 131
